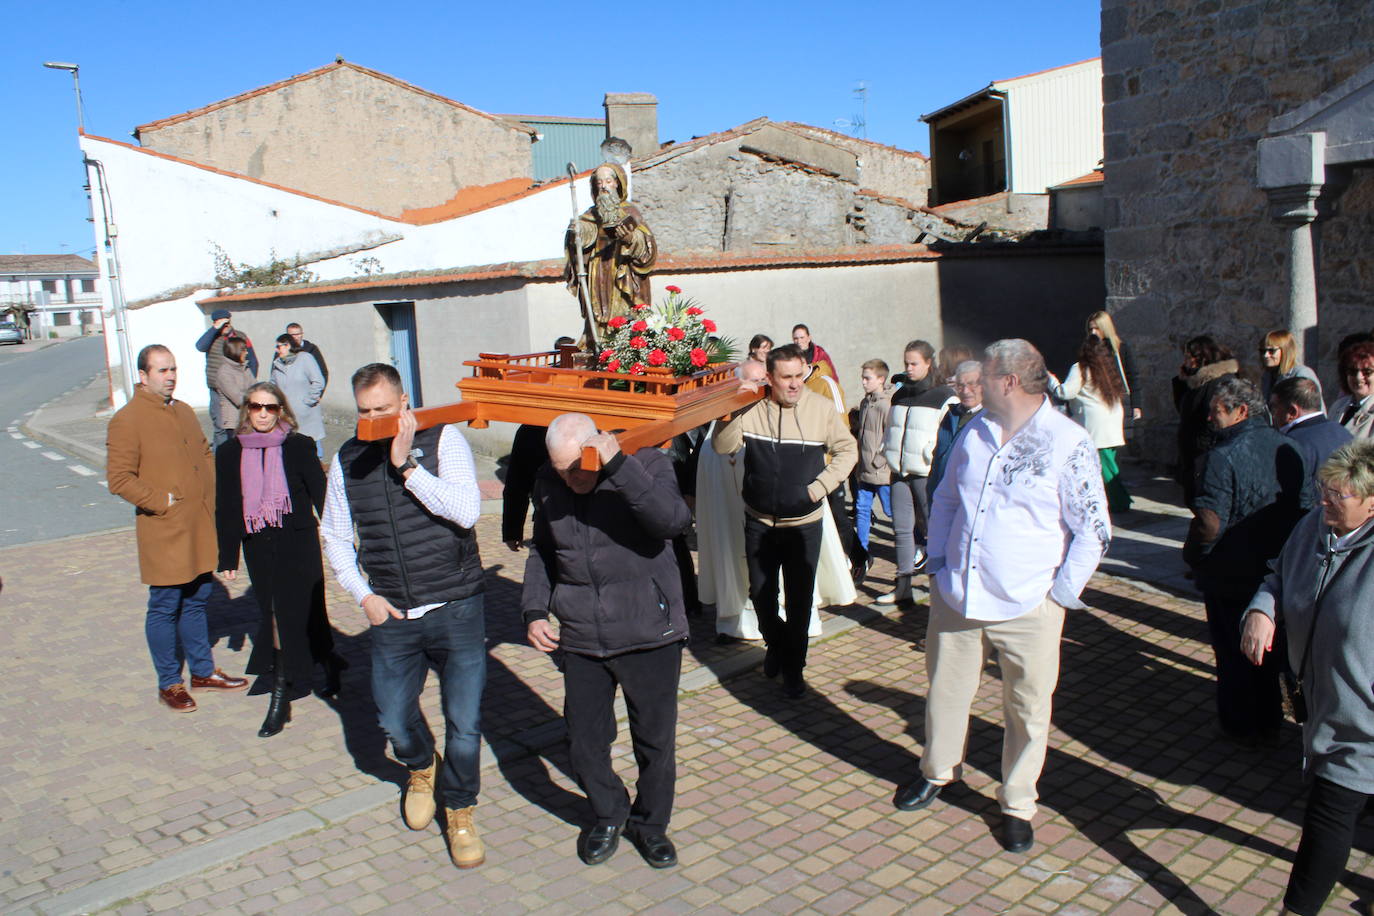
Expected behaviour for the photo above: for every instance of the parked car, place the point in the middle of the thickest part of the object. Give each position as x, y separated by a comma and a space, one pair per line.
10, 333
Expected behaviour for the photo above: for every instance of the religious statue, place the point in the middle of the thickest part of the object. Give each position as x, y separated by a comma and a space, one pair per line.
617, 249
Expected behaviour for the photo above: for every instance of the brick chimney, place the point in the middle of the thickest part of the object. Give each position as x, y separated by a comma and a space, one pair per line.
633, 117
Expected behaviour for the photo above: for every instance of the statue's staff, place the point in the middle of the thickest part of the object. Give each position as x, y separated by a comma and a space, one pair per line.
584, 298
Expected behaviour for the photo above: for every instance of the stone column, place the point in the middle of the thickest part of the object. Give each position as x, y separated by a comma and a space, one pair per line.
1292, 170
1294, 208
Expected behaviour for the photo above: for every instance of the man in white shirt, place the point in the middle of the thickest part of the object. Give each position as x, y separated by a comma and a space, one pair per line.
1016, 529
411, 502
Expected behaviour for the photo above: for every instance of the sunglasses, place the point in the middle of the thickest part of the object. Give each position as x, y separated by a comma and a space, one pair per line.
1363, 373
270, 408
1268, 350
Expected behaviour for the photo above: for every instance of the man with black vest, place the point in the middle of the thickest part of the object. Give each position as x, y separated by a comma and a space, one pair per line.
410, 504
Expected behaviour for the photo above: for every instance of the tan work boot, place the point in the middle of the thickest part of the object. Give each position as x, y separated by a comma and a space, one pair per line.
419, 802
464, 845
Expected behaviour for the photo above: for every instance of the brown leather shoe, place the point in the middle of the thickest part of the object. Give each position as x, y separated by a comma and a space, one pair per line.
177, 699
218, 681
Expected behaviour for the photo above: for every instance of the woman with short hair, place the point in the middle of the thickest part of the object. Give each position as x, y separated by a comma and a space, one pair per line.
759, 345
1321, 589
298, 375
269, 491
1355, 408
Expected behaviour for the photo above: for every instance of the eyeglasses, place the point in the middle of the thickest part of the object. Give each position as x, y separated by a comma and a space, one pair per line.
1366, 373
1268, 350
967, 386
1336, 497
270, 408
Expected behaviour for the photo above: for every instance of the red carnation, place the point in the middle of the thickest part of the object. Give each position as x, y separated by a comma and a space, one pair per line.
641, 325
637, 369
693, 310
641, 306
613, 366
607, 354
618, 321
638, 342
698, 357
673, 289
676, 333
709, 325
657, 357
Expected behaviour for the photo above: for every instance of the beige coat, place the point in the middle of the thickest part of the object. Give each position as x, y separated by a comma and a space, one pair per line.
156, 449
231, 384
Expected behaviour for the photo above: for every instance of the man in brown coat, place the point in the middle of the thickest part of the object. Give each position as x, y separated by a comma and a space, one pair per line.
157, 458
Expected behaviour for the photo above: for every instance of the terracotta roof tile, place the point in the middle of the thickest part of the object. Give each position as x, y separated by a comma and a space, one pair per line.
329, 68
1093, 177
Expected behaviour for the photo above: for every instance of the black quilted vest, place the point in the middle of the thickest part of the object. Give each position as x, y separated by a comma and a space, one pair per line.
410, 557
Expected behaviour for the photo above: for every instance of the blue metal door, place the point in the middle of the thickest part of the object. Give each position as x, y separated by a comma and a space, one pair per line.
405, 356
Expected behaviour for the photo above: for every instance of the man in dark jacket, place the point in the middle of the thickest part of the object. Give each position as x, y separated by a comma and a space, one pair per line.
1296, 405
1249, 496
298, 335
601, 562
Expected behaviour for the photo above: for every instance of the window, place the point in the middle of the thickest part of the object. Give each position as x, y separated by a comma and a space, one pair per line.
88, 284
50, 286
62, 319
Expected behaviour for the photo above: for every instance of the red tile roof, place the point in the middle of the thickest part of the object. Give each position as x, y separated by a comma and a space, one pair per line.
1093, 177
312, 74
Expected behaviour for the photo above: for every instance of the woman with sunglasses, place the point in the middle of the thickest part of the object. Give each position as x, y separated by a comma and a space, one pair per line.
1279, 357
1355, 409
269, 491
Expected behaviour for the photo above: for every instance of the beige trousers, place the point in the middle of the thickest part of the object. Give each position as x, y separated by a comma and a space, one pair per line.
1027, 651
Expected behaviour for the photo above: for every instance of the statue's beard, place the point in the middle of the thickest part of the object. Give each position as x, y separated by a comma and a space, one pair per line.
609, 211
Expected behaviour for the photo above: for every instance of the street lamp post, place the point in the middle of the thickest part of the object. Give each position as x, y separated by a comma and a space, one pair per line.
110, 234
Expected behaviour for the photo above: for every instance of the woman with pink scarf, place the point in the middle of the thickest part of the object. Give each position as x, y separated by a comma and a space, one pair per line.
269, 492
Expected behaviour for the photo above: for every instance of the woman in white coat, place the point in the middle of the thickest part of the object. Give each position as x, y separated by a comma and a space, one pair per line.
1096, 381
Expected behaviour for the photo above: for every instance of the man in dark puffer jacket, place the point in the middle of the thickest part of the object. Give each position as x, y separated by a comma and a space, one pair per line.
601, 561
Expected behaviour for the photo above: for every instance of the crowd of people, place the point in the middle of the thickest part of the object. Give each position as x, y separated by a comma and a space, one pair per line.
999, 480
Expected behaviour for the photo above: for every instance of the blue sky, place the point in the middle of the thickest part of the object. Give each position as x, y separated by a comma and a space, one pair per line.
711, 64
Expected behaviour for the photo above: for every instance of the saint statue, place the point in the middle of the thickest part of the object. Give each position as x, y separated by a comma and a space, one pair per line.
617, 246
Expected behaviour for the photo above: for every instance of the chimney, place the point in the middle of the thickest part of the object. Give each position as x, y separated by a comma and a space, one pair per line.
633, 117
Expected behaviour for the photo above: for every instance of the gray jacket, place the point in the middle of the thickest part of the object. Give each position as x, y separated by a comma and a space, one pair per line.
303, 384
1313, 580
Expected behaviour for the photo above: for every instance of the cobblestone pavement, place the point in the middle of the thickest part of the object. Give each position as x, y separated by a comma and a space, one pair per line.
782, 806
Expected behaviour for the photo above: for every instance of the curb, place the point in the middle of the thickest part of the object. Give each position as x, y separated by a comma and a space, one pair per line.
107, 892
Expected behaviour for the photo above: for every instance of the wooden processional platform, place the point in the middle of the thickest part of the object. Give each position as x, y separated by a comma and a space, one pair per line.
534, 388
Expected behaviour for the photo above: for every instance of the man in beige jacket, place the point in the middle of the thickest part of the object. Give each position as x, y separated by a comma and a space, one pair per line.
799, 451
157, 458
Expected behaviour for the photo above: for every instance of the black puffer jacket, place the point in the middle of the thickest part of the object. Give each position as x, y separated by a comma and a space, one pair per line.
603, 564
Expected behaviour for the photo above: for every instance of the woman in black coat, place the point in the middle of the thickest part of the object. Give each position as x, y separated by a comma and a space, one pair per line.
269, 489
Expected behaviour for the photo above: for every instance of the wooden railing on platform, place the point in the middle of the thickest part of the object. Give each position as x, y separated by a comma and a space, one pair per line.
534, 388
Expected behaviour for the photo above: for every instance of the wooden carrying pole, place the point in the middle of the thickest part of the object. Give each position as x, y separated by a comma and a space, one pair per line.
642, 435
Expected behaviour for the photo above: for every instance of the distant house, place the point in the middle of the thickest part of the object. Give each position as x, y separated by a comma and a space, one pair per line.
1019, 136
53, 293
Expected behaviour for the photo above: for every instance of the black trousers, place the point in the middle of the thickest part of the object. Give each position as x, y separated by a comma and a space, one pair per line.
1249, 703
649, 679
1328, 831
793, 553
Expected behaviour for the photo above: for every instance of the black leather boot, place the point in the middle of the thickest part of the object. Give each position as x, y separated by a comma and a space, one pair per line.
278, 708
334, 667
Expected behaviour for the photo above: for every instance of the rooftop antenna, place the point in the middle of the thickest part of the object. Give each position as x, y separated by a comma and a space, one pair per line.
857, 124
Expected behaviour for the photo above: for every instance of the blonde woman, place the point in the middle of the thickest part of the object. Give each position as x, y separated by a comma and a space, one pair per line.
1279, 357
1101, 326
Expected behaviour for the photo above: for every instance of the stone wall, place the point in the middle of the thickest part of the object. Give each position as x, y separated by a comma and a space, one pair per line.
722, 198
885, 169
347, 134
1189, 87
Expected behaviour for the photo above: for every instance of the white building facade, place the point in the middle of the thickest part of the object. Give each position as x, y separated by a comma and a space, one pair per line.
57, 294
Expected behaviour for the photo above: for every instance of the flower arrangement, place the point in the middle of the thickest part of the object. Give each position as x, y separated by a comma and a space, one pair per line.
673, 336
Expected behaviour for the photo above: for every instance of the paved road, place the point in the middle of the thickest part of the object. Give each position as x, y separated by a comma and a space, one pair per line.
47, 493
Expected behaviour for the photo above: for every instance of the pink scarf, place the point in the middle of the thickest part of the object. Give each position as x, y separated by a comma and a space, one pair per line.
263, 478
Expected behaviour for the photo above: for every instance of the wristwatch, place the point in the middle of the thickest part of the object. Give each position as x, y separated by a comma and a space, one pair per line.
409, 464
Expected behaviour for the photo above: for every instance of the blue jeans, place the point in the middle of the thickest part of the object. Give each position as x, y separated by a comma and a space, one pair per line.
176, 630
863, 508
452, 637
